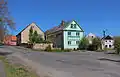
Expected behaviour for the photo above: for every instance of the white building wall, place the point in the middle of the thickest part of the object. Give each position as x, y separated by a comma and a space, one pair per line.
90, 37
107, 44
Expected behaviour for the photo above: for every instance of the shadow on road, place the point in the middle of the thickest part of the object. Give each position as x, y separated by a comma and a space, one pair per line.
5, 53
105, 59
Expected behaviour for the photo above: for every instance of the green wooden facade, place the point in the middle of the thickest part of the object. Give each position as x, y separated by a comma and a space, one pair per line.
67, 35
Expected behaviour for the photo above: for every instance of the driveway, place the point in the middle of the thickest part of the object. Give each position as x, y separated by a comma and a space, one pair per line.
71, 64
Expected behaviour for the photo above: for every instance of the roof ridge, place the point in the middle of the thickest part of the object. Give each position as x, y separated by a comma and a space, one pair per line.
28, 26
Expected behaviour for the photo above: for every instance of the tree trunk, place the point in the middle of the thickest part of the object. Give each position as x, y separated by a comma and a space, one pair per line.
1, 33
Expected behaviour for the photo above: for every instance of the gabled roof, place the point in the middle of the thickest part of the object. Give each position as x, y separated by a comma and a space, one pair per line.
61, 27
28, 26
107, 38
91, 34
76, 23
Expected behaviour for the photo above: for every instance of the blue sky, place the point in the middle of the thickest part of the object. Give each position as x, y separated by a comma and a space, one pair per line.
93, 15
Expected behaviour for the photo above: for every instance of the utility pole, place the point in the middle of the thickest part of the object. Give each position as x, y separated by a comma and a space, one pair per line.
104, 33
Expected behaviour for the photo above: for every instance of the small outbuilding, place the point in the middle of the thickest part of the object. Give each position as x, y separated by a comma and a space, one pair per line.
107, 42
10, 40
90, 37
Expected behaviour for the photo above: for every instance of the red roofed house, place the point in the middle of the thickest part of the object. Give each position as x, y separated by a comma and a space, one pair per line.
10, 40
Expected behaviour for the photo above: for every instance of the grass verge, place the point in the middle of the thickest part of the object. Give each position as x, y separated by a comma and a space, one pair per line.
15, 70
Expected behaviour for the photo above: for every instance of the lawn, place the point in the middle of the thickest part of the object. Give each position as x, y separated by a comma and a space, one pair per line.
15, 70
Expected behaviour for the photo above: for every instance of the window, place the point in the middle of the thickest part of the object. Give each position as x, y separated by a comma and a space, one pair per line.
74, 25
110, 46
71, 25
77, 42
105, 46
109, 41
77, 34
69, 33
32, 26
92, 37
69, 42
106, 41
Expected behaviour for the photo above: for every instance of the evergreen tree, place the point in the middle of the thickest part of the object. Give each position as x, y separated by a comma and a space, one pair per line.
30, 35
34, 37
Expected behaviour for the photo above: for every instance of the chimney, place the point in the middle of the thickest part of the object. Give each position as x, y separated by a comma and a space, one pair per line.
62, 23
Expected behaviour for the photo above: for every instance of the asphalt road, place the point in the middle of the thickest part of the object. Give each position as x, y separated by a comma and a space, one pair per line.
71, 64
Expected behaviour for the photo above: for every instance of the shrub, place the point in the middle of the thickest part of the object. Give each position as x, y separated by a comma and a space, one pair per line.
117, 44
96, 44
1, 43
91, 47
83, 44
34, 37
67, 50
56, 50
29, 46
61, 50
46, 41
49, 49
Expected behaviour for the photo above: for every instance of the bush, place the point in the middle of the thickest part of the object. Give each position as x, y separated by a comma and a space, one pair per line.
56, 50
83, 44
29, 46
117, 44
91, 47
1, 44
67, 50
49, 49
46, 41
118, 50
96, 44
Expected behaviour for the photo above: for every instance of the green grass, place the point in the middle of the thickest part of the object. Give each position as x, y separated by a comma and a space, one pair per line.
13, 70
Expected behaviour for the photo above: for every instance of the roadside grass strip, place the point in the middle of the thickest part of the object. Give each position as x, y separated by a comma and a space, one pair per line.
16, 70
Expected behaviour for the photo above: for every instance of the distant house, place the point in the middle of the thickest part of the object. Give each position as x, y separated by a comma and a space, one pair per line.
67, 35
107, 42
23, 36
10, 40
90, 37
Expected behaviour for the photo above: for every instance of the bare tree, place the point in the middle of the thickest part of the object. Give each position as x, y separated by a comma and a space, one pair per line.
5, 19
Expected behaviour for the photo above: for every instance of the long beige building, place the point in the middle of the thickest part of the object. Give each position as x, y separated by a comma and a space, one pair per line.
23, 36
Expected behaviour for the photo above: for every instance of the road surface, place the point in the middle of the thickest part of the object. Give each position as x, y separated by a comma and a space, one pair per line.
68, 64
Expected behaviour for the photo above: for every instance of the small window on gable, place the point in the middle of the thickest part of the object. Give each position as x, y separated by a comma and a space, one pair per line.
32, 26
92, 37
72, 25
106, 41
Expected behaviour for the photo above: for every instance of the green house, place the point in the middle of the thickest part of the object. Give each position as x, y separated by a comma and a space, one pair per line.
67, 35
